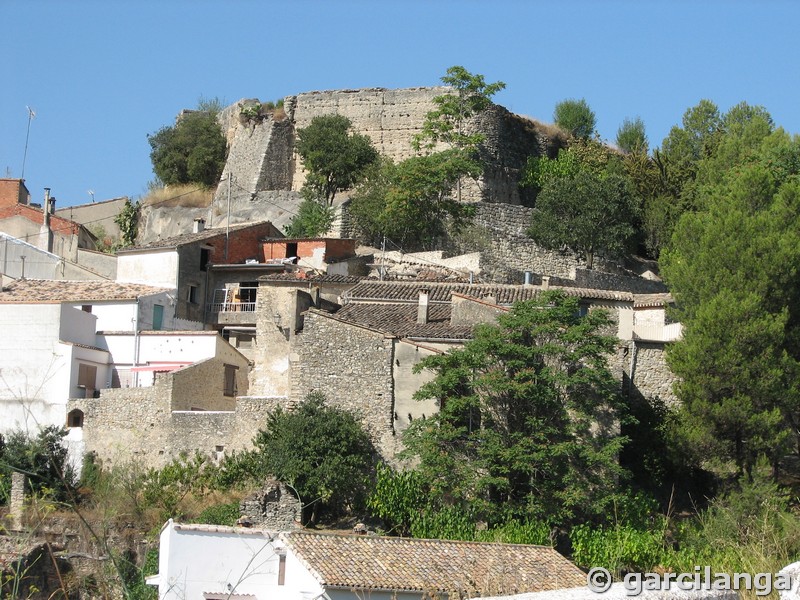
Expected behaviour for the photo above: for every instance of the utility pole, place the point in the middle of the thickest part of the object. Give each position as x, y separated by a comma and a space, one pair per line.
31, 115
383, 256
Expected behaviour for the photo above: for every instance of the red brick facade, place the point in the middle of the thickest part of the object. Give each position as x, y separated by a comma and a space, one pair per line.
335, 248
13, 191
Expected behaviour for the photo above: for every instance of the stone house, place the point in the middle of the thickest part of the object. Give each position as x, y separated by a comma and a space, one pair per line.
362, 356
216, 563
184, 262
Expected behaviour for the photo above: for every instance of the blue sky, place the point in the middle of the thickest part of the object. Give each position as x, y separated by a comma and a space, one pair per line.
101, 75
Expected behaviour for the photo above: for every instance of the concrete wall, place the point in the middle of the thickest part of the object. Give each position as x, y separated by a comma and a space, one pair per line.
105, 265
156, 267
96, 214
406, 383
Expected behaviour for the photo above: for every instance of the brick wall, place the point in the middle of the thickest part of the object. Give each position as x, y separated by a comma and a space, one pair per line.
13, 191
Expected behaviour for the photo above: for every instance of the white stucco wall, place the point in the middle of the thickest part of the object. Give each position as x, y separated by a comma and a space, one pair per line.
243, 561
36, 383
157, 267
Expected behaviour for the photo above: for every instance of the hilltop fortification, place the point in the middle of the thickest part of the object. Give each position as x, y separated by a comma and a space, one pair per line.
267, 174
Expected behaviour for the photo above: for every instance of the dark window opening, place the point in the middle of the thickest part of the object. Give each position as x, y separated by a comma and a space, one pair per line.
291, 249
86, 308
230, 380
75, 418
192, 296
205, 257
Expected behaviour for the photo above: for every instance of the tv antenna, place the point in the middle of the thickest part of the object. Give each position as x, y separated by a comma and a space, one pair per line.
31, 115
91, 193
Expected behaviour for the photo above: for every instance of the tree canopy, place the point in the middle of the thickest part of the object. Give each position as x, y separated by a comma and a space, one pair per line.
631, 136
732, 265
334, 157
321, 451
528, 417
575, 117
192, 151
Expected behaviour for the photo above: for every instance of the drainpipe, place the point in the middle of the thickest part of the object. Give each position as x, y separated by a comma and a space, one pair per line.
136, 344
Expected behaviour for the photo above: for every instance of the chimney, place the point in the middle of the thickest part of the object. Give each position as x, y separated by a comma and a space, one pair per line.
46, 234
422, 310
199, 225
528, 277
545, 282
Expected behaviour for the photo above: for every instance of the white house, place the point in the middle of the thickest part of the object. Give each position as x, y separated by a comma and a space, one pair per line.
69, 339
221, 563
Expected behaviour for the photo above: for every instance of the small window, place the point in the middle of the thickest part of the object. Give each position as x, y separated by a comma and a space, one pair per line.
230, 380
86, 308
192, 295
205, 257
75, 418
158, 317
291, 249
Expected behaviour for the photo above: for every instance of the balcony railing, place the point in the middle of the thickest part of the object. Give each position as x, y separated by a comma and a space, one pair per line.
233, 300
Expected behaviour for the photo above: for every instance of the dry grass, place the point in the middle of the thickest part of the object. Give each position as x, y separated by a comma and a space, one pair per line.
187, 196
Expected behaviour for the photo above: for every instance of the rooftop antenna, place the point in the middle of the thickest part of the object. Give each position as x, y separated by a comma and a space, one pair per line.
91, 193
31, 115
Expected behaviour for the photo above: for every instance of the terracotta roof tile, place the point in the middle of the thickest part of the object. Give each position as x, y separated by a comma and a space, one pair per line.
648, 300
467, 569
295, 277
401, 320
51, 291
504, 295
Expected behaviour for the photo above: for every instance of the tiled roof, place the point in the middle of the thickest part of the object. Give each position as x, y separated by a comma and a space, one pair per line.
401, 320
294, 277
25, 291
188, 238
647, 300
468, 569
504, 295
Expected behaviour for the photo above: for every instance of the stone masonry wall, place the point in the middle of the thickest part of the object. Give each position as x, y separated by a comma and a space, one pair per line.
352, 367
652, 378
137, 423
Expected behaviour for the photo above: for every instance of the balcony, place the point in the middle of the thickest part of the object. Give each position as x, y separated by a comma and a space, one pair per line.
233, 306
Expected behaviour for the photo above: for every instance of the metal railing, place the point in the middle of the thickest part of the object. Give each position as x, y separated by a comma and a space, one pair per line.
228, 300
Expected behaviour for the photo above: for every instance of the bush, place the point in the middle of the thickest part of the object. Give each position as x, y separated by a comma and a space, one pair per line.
220, 514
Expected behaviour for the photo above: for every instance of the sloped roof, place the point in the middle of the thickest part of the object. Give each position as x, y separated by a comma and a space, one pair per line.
401, 320
652, 300
50, 291
504, 295
294, 277
190, 238
468, 569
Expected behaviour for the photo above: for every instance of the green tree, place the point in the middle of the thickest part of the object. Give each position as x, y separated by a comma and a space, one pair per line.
313, 219
732, 267
528, 417
587, 213
575, 117
447, 122
42, 458
334, 158
128, 222
631, 136
192, 151
321, 451
411, 202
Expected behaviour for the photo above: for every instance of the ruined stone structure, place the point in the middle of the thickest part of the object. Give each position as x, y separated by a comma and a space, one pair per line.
274, 507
